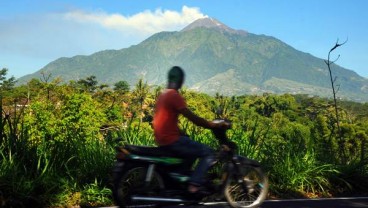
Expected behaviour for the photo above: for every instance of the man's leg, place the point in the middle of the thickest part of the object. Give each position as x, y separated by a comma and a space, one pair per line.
189, 149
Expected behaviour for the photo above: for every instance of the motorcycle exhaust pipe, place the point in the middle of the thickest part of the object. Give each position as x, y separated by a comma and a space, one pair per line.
158, 199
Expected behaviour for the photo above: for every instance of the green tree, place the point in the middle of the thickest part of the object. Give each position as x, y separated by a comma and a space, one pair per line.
140, 95
89, 84
6, 83
121, 87
80, 117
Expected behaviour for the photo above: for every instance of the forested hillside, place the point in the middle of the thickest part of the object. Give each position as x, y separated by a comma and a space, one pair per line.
218, 59
57, 139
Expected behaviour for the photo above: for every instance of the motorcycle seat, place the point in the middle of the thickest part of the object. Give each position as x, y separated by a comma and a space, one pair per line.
149, 151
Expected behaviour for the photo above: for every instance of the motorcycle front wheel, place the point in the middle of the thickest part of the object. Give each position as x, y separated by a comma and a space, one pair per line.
132, 183
246, 189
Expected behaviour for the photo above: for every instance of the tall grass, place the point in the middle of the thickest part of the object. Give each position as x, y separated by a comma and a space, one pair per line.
26, 177
54, 173
135, 134
351, 179
300, 174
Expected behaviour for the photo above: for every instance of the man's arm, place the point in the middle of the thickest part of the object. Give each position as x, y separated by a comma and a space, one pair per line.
197, 120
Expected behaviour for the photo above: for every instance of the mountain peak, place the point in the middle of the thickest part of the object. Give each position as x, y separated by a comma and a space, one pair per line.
209, 22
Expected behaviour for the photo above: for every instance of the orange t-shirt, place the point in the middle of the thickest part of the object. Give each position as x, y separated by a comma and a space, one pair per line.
165, 121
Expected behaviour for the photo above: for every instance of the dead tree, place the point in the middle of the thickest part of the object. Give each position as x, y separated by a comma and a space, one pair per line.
335, 89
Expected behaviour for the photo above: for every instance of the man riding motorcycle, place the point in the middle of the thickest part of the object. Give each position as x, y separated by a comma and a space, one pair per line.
169, 105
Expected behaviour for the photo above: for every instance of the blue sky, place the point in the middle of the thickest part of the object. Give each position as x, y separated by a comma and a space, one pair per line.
36, 32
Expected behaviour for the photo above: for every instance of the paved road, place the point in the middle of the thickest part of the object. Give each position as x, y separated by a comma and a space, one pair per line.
318, 203
350, 202
359, 202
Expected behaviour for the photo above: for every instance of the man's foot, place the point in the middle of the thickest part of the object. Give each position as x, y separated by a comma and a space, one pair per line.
197, 192
193, 188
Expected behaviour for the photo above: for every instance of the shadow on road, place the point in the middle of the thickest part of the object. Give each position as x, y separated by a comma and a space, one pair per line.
360, 202
318, 203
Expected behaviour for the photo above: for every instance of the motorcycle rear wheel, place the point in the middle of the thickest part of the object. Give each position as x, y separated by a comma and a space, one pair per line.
248, 190
132, 182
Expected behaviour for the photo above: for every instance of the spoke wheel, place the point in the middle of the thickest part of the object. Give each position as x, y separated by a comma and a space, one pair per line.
132, 183
247, 190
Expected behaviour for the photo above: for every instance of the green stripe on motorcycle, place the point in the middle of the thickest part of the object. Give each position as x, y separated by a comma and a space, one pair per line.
167, 160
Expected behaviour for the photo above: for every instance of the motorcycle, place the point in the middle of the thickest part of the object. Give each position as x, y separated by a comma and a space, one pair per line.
148, 177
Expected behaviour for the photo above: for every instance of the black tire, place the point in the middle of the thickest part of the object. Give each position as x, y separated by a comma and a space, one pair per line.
132, 182
248, 190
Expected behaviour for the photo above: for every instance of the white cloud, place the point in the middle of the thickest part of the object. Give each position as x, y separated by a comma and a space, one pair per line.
30, 41
146, 22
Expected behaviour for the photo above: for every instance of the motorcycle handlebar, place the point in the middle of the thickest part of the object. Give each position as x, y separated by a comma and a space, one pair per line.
220, 133
226, 124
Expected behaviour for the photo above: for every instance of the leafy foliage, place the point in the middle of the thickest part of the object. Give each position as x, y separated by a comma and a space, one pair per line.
57, 142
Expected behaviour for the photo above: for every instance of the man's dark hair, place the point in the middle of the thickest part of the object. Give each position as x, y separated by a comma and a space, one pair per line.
176, 75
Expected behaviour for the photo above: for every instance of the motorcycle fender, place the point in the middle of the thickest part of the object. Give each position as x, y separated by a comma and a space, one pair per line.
249, 162
118, 167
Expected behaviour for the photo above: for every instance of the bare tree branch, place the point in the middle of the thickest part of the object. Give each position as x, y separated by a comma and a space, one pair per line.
335, 59
334, 81
335, 89
338, 88
45, 76
337, 44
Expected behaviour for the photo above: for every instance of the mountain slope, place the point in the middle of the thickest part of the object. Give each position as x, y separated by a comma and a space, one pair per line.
213, 54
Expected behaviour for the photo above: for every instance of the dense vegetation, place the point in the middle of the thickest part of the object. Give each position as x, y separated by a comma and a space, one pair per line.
57, 139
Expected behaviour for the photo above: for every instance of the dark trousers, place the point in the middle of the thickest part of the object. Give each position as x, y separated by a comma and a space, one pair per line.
191, 150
